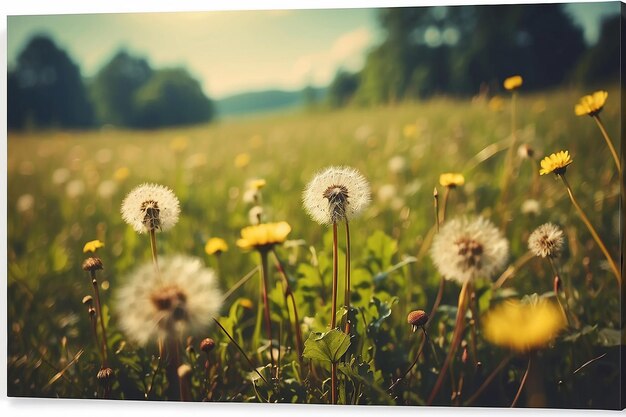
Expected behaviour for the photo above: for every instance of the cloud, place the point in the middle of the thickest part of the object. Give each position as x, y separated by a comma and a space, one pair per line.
347, 52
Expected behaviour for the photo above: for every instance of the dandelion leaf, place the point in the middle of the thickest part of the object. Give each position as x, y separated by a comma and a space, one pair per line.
329, 346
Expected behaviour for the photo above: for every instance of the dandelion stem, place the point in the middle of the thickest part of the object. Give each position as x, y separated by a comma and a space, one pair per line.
444, 206
419, 353
105, 344
333, 383
456, 339
512, 269
239, 283
346, 301
266, 306
240, 350
556, 293
436, 207
593, 232
442, 282
487, 381
609, 142
153, 248
333, 318
522, 383
508, 162
289, 294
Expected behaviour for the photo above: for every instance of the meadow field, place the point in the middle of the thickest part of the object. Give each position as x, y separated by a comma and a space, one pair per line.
66, 189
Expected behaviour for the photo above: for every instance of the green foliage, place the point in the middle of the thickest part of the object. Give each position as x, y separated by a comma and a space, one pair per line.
329, 346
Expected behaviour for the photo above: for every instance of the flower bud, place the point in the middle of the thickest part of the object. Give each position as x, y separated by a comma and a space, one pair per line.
92, 264
207, 345
417, 318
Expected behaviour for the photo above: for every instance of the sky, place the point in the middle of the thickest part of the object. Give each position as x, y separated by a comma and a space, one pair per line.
237, 51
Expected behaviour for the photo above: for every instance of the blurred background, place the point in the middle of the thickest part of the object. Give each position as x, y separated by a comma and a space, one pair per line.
167, 69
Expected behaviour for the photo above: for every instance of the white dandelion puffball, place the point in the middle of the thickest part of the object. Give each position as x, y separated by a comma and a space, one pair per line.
336, 194
181, 301
546, 240
150, 207
465, 249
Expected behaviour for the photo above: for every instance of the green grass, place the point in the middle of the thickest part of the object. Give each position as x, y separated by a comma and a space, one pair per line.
48, 324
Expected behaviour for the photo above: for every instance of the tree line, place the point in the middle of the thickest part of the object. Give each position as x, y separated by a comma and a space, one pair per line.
46, 90
426, 51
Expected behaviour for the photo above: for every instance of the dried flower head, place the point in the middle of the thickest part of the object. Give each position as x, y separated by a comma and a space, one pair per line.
180, 301
525, 151
255, 215
417, 319
105, 375
263, 236
557, 163
215, 246
336, 194
546, 241
591, 104
465, 249
92, 264
523, 325
451, 179
150, 207
513, 83
184, 371
87, 300
207, 344
531, 207
92, 246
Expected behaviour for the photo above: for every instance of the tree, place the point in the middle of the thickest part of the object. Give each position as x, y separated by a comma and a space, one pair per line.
46, 89
114, 87
171, 97
602, 61
342, 89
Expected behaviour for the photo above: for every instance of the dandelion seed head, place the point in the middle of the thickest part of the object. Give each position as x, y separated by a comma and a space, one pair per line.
25, 202
107, 188
336, 194
465, 249
546, 241
150, 207
396, 164
531, 207
75, 188
180, 301
60, 176
255, 215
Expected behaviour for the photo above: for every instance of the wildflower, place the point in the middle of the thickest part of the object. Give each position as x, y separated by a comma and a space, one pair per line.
215, 246
396, 164
336, 194
465, 249
451, 179
60, 176
242, 160
181, 300
92, 264
592, 104
525, 151
150, 207
255, 214
523, 326
557, 163
92, 246
75, 188
121, 174
513, 83
386, 193
179, 144
87, 300
207, 344
531, 207
263, 236
257, 184
417, 319
409, 130
496, 104
106, 189
546, 241
25, 203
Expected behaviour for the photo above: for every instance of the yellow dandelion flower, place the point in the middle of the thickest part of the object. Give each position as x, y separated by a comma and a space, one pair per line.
264, 235
92, 246
591, 104
179, 144
523, 326
513, 83
121, 174
257, 184
557, 163
409, 130
215, 246
451, 179
242, 160
496, 104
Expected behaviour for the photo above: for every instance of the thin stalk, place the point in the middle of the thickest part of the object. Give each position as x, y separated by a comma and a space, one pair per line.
333, 383
593, 232
512, 269
474, 325
94, 332
291, 297
556, 293
105, 344
436, 207
456, 339
266, 306
419, 353
609, 142
487, 381
158, 368
433, 310
522, 383
346, 301
444, 206
239, 283
508, 167
333, 318
240, 350
153, 249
